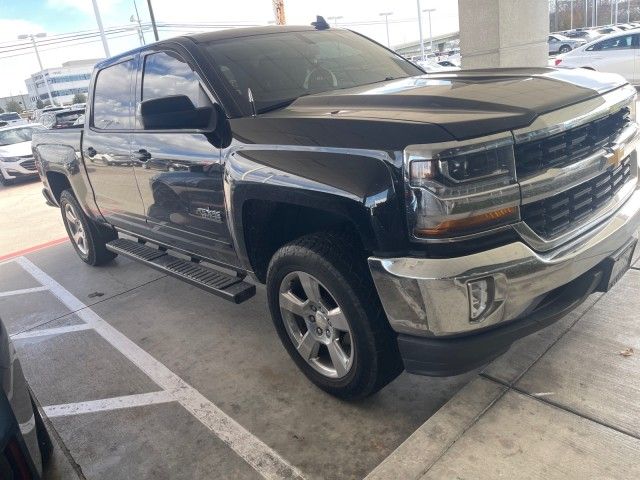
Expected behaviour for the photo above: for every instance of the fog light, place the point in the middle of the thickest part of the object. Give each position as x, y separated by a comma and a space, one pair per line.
480, 297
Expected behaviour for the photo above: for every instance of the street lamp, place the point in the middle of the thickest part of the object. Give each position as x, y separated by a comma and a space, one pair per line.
35, 47
335, 20
429, 10
386, 22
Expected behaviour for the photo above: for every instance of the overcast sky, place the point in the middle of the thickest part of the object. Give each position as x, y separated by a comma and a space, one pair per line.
63, 16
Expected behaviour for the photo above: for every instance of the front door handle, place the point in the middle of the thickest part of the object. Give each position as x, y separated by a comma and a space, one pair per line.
91, 151
141, 155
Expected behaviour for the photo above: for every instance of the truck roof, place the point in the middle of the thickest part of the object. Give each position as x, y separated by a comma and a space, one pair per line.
213, 36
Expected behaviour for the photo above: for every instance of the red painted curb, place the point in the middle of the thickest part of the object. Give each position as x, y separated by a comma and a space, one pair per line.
25, 251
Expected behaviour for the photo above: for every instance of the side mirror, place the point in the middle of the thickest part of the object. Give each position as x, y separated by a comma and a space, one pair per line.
176, 112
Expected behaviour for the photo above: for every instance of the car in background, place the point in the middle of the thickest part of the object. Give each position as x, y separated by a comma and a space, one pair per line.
431, 66
11, 118
560, 44
16, 157
38, 113
25, 445
588, 35
61, 118
614, 53
609, 29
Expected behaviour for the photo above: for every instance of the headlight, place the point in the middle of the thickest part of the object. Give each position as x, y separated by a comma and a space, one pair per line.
460, 188
9, 159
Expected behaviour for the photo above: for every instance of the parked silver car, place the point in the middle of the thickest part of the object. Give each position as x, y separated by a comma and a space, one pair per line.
561, 44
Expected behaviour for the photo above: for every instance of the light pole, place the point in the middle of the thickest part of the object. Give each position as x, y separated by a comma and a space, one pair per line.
429, 10
139, 23
586, 13
101, 28
420, 28
153, 20
44, 77
616, 22
335, 20
386, 22
571, 15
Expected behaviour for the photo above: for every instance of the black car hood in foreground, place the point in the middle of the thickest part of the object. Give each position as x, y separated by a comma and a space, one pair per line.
466, 104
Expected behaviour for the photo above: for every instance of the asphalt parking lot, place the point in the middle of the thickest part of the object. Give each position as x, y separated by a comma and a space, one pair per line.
143, 376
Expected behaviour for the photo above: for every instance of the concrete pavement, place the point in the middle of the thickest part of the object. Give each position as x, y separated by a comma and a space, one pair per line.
560, 404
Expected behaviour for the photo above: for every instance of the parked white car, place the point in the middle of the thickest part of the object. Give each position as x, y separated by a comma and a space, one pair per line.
11, 118
16, 158
614, 53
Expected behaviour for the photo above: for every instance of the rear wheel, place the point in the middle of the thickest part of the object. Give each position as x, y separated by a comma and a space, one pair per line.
329, 318
87, 237
565, 49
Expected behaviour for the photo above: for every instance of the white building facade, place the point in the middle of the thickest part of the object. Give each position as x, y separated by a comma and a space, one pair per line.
64, 82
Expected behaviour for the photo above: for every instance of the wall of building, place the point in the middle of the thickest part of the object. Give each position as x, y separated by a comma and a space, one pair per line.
64, 82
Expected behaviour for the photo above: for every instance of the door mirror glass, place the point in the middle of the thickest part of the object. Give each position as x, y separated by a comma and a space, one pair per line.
176, 112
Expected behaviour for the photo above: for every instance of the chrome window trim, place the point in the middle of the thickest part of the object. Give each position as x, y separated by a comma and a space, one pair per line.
576, 115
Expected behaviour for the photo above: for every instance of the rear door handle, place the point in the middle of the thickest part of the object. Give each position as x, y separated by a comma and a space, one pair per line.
141, 155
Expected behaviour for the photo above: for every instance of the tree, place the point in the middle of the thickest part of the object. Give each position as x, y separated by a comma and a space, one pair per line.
13, 106
1, 110
39, 103
79, 98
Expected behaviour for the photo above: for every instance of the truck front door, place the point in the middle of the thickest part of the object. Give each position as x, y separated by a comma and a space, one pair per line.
106, 146
179, 172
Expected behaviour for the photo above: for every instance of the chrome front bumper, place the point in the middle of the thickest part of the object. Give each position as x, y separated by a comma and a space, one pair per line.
429, 297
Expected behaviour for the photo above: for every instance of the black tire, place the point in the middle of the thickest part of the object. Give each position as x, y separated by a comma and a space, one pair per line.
565, 49
96, 235
332, 259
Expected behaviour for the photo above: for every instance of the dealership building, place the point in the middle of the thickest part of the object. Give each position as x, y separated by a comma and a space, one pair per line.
64, 82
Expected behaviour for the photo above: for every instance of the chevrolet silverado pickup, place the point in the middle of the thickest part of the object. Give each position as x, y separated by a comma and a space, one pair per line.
400, 220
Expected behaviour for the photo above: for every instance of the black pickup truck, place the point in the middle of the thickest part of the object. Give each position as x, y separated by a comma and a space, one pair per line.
399, 220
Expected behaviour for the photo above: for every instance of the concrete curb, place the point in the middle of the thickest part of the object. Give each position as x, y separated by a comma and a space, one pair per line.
433, 438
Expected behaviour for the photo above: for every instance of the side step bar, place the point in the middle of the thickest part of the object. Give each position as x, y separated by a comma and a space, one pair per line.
224, 285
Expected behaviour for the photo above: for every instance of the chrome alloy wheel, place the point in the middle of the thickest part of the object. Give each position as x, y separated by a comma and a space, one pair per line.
78, 234
316, 324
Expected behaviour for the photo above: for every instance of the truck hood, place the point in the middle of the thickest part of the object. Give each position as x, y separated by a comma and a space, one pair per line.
466, 104
15, 150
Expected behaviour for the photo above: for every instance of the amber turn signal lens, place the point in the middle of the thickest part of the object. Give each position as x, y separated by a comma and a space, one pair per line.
463, 225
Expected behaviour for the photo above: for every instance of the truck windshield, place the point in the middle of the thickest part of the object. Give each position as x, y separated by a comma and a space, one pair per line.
16, 135
280, 67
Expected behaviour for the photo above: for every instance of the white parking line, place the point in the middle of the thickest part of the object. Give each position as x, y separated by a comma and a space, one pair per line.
115, 403
266, 461
51, 331
23, 291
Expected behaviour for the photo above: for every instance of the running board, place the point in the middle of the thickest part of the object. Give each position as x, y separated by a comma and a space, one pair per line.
222, 284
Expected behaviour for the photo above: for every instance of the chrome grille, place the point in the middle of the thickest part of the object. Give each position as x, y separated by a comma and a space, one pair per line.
558, 214
569, 146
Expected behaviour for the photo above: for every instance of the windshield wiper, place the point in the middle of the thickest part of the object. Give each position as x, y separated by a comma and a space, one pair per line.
279, 105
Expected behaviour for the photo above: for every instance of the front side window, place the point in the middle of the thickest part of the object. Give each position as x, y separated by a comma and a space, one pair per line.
616, 43
280, 67
112, 97
166, 74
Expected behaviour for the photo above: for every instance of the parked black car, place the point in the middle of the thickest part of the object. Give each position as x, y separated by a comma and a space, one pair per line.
24, 441
399, 220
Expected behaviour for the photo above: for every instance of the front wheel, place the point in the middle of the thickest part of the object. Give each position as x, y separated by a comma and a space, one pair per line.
88, 238
328, 316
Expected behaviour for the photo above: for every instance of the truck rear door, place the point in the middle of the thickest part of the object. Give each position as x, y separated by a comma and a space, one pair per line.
107, 146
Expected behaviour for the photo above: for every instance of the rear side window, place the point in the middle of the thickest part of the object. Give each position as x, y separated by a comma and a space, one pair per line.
167, 74
112, 97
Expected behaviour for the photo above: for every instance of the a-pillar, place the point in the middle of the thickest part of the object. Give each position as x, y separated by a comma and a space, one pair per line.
503, 33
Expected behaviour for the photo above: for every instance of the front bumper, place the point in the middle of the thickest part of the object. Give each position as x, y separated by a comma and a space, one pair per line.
429, 297
23, 168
